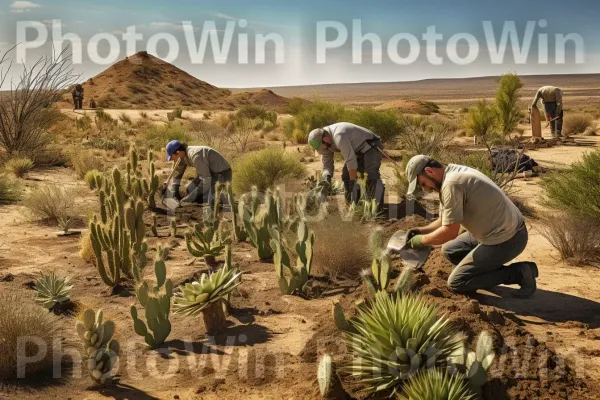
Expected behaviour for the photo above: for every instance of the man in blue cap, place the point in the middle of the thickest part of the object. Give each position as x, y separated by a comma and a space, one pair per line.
211, 167
495, 228
360, 148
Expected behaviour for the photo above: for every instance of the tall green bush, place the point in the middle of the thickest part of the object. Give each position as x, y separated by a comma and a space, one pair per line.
507, 98
265, 169
383, 123
317, 115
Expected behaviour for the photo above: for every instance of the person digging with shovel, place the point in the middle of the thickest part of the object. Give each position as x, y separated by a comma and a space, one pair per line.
211, 167
361, 150
495, 228
552, 98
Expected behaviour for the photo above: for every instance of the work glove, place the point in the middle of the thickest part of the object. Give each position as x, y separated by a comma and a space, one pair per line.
412, 233
416, 243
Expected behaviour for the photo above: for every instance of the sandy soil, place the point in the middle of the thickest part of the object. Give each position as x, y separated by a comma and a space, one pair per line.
565, 313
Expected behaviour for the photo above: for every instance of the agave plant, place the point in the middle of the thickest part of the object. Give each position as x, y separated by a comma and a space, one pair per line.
52, 290
436, 384
207, 295
65, 223
396, 336
206, 241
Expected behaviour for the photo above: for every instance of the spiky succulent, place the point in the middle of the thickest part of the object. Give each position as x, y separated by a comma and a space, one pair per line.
65, 223
205, 241
436, 384
396, 336
50, 290
475, 364
196, 296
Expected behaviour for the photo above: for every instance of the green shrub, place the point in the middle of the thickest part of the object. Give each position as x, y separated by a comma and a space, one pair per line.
268, 126
436, 384
482, 123
10, 190
507, 98
19, 166
265, 169
576, 123
111, 141
383, 123
84, 123
157, 136
21, 318
423, 135
288, 128
104, 121
124, 118
252, 112
317, 115
578, 188
271, 117
296, 105
50, 203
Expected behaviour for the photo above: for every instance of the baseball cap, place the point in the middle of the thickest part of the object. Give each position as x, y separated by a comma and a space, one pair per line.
315, 138
172, 147
413, 168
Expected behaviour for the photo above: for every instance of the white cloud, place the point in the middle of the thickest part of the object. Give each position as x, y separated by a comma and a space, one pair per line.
225, 16
22, 6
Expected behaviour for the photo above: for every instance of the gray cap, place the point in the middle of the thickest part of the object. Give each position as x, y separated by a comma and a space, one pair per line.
315, 139
413, 168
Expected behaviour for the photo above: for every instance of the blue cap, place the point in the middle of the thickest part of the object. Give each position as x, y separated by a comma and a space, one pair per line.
172, 147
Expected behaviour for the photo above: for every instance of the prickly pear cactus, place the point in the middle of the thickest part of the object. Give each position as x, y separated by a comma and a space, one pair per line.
239, 232
156, 301
101, 350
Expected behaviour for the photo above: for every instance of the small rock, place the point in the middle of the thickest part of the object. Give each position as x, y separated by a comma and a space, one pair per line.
495, 317
473, 307
435, 292
531, 341
7, 278
176, 396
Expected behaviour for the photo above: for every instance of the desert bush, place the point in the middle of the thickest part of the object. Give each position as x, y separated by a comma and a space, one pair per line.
208, 133
482, 122
26, 111
223, 120
289, 125
104, 122
271, 117
126, 119
578, 188
335, 258
428, 108
296, 105
50, 203
590, 131
10, 190
507, 98
265, 169
268, 126
383, 123
143, 115
317, 115
576, 123
176, 113
19, 166
109, 141
84, 123
241, 130
50, 156
86, 253
576, 237
425, 136
20, 318
157, 136
136, 88
83, 160
252, 112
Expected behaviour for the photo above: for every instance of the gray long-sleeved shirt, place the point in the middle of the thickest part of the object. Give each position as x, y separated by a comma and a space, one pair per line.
206, 160
549, 94
347, 139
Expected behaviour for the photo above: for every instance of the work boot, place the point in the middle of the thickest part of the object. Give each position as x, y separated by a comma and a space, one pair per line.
529, 271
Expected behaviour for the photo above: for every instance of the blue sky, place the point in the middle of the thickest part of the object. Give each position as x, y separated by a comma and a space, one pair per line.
296, 24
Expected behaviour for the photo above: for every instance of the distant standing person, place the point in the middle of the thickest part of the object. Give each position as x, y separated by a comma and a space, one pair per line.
211, 167
359, 147
77, 94
552, 97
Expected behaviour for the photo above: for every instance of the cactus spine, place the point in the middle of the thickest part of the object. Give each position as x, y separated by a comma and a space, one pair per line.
101, 350
156, 301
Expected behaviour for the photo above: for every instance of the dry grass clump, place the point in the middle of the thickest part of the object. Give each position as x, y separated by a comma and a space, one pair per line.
341, 249
523, 205
19, 166
10, 189
50, 203
86, 252
83, 161
577, 238
576, 123
20, 318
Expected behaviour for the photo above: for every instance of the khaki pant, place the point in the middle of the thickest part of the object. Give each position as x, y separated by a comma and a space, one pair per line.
480, 266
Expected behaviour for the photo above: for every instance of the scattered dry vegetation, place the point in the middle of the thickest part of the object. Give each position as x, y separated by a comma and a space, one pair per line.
576, 237
49, 203
20, 319
19, 166
577, 123
10, 189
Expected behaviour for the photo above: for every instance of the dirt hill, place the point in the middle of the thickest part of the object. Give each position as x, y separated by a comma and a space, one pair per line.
143, 81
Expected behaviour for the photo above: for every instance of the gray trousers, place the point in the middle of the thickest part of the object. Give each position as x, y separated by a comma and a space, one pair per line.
480, 266
369, 163
203, 191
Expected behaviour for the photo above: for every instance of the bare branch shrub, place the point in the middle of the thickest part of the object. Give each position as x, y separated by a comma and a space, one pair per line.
577, 238
25, 113
425, 136
50, 203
